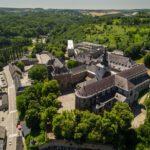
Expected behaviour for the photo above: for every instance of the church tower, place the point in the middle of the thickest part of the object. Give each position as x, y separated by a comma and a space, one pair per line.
103, 68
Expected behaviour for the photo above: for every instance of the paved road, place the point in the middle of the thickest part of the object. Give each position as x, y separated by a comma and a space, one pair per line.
12, 131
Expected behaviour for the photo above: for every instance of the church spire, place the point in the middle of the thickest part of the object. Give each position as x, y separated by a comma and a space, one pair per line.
105, 59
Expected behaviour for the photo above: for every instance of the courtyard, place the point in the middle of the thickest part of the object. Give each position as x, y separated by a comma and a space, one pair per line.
68, 102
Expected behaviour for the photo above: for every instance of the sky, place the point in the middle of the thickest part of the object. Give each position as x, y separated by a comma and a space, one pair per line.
77, 4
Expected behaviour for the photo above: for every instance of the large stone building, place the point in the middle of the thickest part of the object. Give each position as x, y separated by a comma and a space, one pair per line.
89, 69
119, 62
124, 86
94, 50
79, 74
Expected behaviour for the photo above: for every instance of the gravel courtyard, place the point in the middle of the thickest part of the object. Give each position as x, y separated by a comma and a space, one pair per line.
68, 102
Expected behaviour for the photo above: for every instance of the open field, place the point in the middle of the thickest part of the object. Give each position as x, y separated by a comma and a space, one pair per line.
94, 13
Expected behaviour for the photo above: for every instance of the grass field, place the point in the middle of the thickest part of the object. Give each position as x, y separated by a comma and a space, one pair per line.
140, 60
94, 13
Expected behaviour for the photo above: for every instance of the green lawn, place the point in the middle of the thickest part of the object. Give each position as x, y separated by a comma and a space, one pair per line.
140, 60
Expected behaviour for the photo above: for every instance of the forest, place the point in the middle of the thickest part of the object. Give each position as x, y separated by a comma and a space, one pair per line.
18, 29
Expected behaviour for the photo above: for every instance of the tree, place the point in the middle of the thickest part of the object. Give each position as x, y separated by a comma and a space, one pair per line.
94, 136
32, 119
147, 60
81, 131
57, 125
47, 115
50, 100
64, 124
39, 47
50, 87
89, 127
38, 73
20, 65
143, 134
21, 105
72, 63
68, 129
123, 114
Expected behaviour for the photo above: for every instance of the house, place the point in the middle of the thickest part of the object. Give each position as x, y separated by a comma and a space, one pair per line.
3, 101
19, 143
16, 75
3, 82
29, 61
102, 94
3, 138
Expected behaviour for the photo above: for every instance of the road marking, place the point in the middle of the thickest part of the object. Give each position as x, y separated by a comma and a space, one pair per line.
13, 111
12, 135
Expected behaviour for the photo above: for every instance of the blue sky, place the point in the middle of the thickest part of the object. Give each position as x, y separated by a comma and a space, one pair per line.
73, 4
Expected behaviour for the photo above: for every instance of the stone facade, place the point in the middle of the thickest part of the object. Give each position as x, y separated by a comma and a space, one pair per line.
124, 86
119, 62
94, 50
69, 145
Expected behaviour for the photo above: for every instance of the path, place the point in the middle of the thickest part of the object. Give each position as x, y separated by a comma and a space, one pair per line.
140, 118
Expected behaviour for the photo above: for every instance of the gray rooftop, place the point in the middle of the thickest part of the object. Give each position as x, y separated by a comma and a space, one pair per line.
120, 80
2, 132
121, 60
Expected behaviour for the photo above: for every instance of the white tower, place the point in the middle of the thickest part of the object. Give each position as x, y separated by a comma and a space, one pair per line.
70, 48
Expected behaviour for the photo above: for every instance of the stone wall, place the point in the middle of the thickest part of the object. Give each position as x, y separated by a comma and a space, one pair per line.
66, 145
79, 77
64, 80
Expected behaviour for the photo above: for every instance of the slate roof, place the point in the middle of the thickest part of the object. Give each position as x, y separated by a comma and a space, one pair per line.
92, 68
86, 46
58, 63
123, 83
87, 82
95, 87
19, 143
78, 69
3, 100
46, 58
120, 80
121, 60
13, 69
131, 73
2, 132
